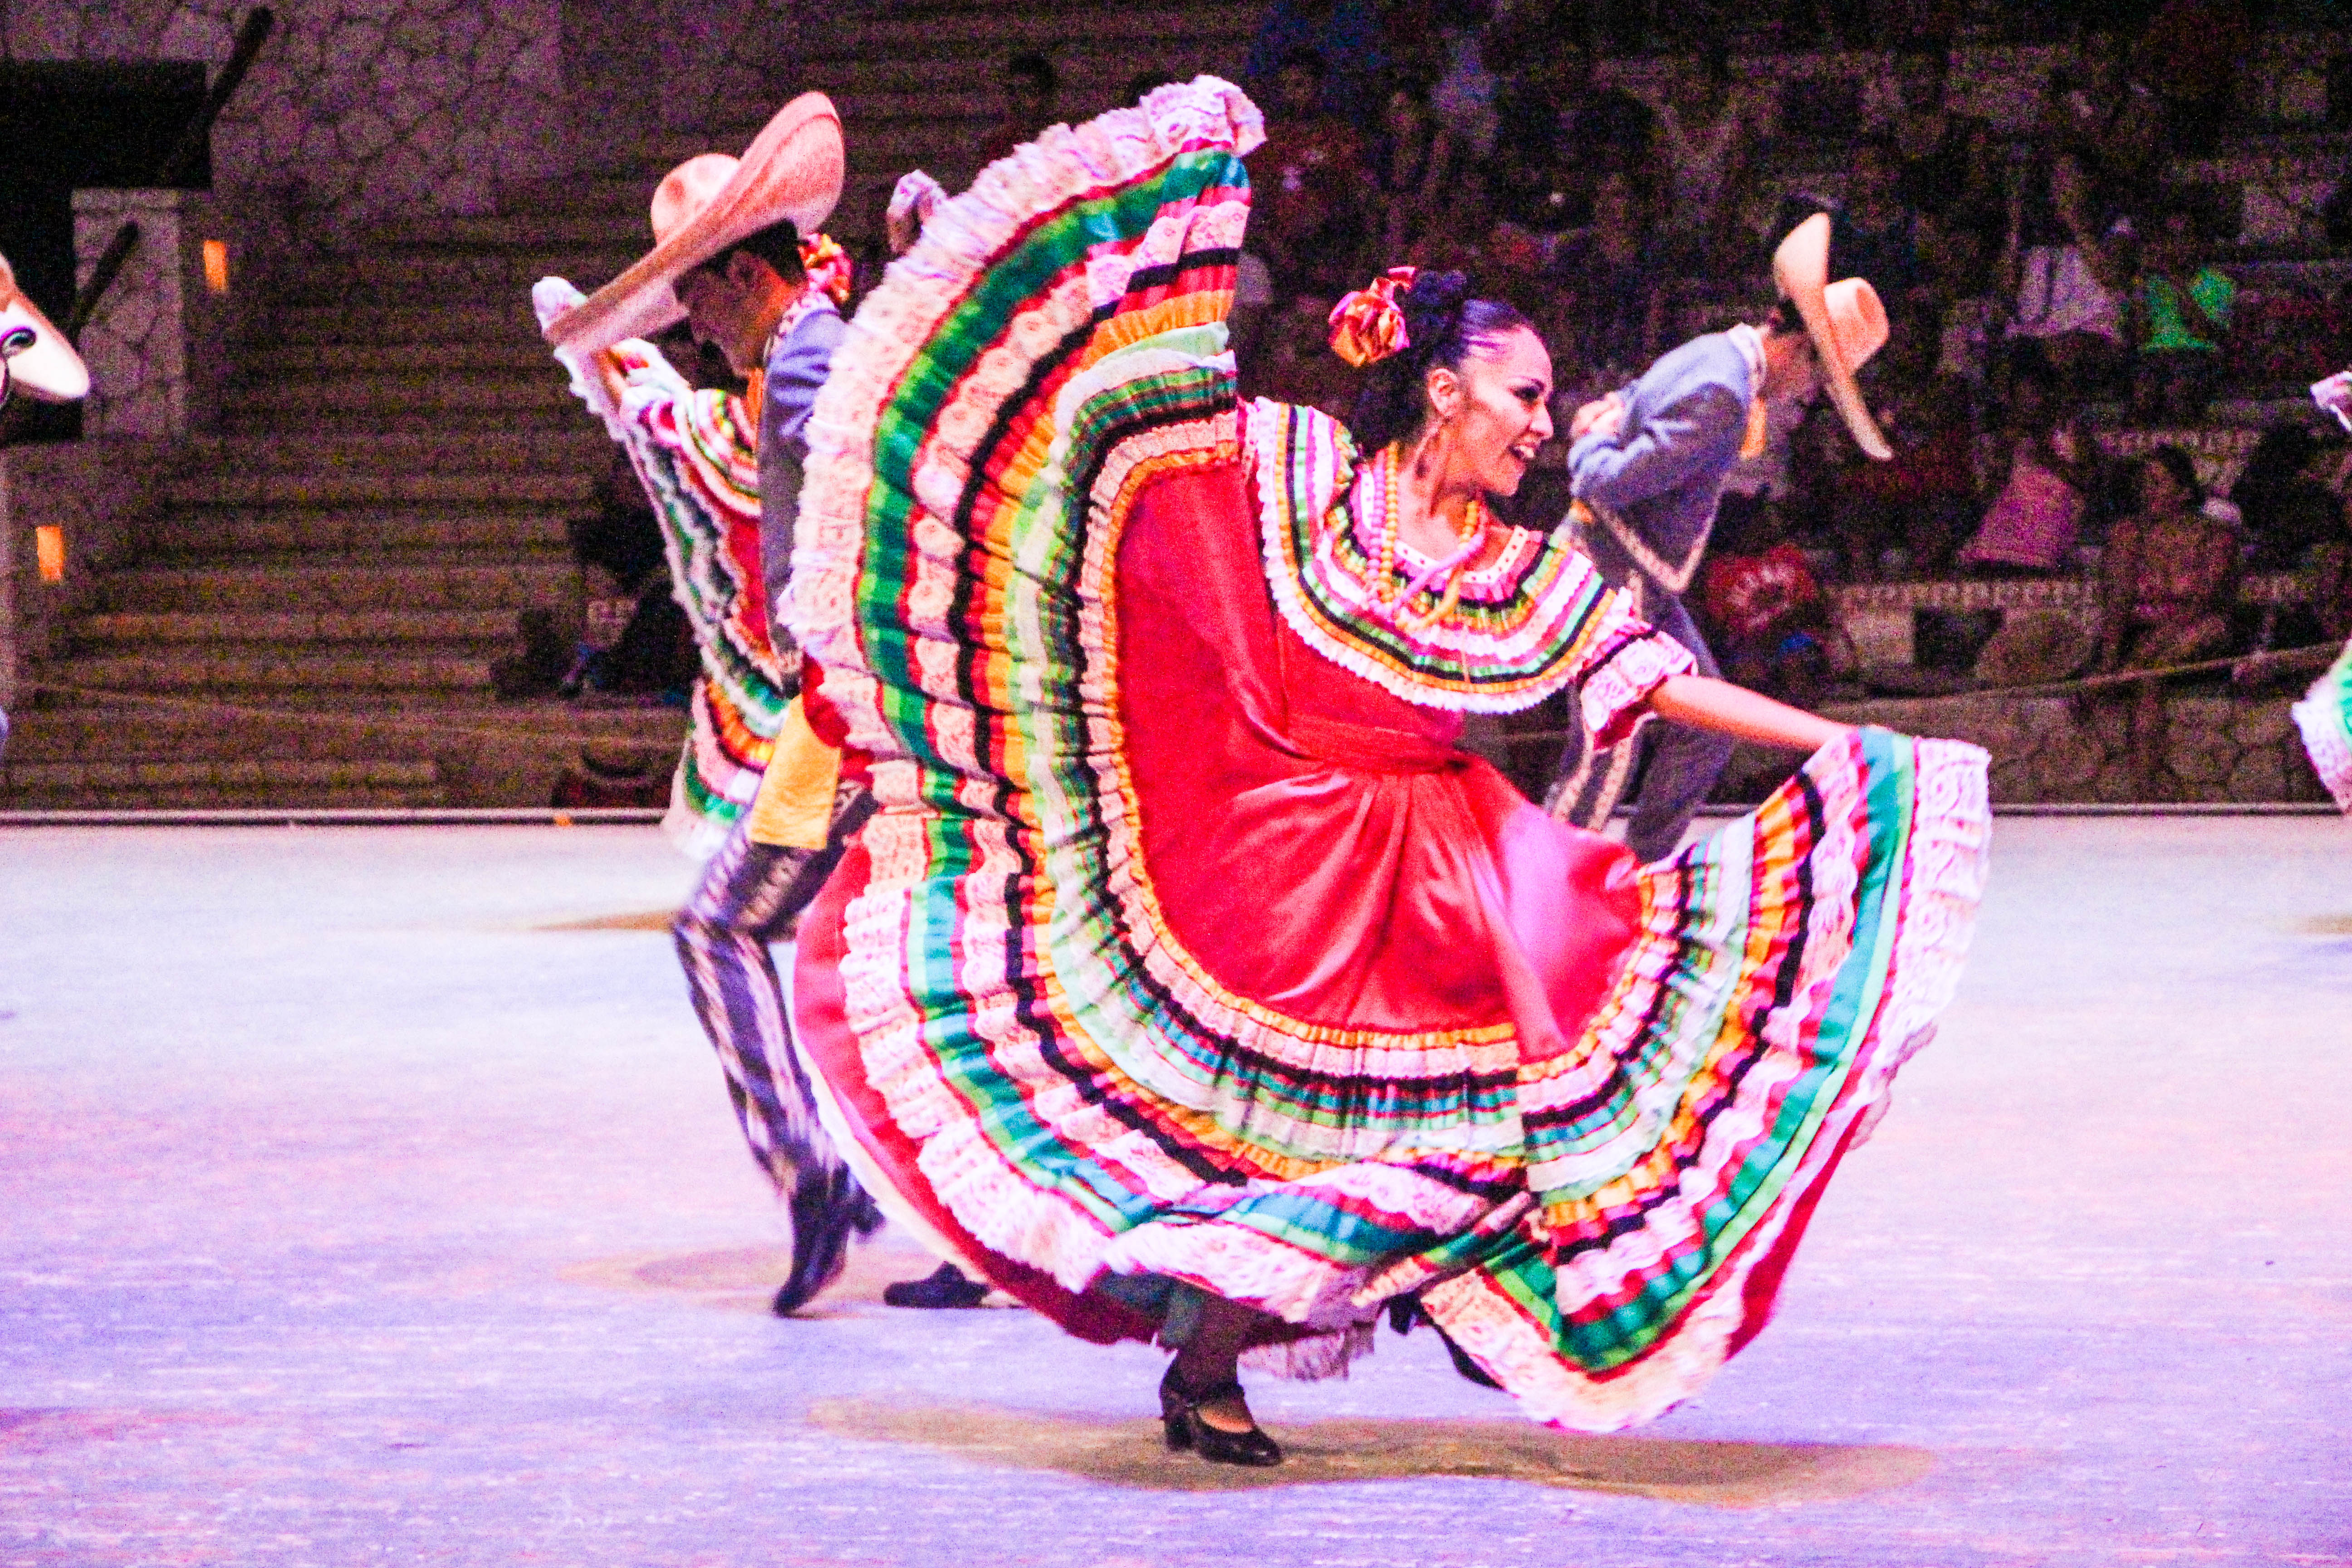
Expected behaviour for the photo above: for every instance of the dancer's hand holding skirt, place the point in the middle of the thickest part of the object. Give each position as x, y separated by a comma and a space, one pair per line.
1187, 948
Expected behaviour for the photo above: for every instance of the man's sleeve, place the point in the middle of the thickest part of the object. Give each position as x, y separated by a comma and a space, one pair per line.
794, 376
1693, 434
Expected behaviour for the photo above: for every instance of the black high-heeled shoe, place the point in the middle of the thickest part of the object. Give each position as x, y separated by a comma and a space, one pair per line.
1180, 1419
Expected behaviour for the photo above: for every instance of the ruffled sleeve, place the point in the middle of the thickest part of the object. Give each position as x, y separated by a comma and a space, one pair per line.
1631, 659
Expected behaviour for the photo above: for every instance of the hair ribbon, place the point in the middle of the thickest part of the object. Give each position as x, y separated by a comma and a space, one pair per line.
1368, 323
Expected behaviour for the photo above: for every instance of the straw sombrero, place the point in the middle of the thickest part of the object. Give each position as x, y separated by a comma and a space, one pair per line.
40, 362
792, 169
1844, 318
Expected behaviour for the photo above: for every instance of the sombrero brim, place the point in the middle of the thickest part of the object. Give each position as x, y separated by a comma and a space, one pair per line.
48, 368
794, 169
1801, 270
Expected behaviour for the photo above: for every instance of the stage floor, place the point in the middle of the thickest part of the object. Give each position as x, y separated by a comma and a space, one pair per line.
370, 1195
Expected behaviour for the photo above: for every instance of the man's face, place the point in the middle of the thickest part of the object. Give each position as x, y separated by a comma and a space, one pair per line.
723, 306
1791, 367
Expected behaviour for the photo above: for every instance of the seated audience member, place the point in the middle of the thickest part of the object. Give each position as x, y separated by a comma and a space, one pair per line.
2065, 267
2289, 512
635, 641
1609, 280
2184, 313
1557, 130
2191, 54
1032, 89
2033, 525
1707, 131
1879, 241
1923, 501
1311, 187
1413, 166
2168, 579
1767, 619
1296, 364
1960, 293
2103, 115
1347, 35
1976, 202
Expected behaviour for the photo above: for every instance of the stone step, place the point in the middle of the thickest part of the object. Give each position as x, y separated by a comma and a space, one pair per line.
359, 585
531, 228
507, 321
361, 486
220, 630
98, 785
156, 732
501, 453
517, 355
215, 531
397, 421
992, 33
266, 674
426, 278
521, 393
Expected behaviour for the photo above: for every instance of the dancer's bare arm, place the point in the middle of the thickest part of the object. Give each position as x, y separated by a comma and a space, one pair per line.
1745, 715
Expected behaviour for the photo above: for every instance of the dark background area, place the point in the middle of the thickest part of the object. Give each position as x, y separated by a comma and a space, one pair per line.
65, 127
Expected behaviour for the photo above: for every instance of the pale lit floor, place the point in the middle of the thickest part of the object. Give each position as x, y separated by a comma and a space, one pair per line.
370, 1195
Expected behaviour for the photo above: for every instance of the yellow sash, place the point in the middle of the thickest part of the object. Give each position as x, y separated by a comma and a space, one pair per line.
794, 809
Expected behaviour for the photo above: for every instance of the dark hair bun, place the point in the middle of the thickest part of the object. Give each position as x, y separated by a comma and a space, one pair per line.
1441, 324
1432, 306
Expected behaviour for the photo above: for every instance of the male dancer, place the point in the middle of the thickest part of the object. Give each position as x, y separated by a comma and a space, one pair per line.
1647, 465
728, 255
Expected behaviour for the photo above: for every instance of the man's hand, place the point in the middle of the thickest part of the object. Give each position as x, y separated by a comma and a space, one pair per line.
1604, 417
912, 202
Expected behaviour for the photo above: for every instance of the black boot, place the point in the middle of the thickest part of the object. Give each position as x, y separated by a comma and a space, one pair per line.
827, 1210
1180, 1420
946, 1288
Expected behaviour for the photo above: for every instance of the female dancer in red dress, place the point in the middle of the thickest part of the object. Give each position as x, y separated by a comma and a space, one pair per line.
1188, 981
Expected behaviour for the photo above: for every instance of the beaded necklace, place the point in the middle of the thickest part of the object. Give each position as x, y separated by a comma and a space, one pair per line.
1391, 606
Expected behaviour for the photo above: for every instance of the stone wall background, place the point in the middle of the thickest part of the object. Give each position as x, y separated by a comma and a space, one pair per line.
361, 108
355, 107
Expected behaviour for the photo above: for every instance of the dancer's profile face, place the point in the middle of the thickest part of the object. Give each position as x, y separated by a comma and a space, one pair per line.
1498, 408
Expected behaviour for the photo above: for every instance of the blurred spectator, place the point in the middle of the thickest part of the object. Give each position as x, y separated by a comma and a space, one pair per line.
2289, 513
1977, 202
2066, 268
1032, 89
1706, 137
1957, 267
1413, 164
1465, 84
1558, 131
1907, 515
1312, 186
1609, 283
2101, 113
635, 642
2169, 579
2033, 523
1767, 617
1877, 242
2184, 320
2190, 55
1456, 240
1298, 365
1345, 34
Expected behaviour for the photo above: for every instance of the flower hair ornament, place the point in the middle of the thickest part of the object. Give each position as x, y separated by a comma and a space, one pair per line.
828, 267
1367, 324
